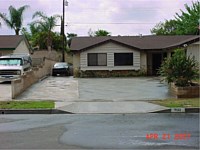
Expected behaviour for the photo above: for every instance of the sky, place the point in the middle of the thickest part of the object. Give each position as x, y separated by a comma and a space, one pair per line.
119, 17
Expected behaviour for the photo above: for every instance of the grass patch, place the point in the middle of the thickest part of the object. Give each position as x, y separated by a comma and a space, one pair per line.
185, 103
26, 104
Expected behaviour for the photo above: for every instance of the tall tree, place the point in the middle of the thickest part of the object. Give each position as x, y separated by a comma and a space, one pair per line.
185, 23
46, 25
188, 22
34, 36
69, 37
166, 28
102, 33
15, 18
99, 32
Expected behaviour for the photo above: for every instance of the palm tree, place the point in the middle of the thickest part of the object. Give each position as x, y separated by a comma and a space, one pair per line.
46, 25
15, 19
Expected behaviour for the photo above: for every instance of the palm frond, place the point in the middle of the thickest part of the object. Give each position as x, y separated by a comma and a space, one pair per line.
40, 15
6, 20
20, 14
22, 9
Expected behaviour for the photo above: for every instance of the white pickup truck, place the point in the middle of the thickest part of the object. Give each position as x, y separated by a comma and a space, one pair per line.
14, 65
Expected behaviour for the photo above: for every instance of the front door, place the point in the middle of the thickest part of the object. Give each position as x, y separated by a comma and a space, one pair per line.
156, 62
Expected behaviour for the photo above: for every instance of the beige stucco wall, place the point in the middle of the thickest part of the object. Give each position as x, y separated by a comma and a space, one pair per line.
193, 51
76, 61
22, 48
110, 49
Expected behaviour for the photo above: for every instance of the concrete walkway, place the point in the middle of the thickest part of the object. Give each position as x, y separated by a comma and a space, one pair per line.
109, 107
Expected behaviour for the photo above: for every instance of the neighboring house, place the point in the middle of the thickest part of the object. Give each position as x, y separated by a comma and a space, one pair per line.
134, 53
14, 44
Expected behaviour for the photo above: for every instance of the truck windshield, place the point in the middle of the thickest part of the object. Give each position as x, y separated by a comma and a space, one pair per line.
12, 62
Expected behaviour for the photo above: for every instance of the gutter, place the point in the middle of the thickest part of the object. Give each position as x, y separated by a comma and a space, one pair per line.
33, 111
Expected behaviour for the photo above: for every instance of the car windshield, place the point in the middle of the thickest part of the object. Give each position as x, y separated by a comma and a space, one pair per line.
10, 62
60, 65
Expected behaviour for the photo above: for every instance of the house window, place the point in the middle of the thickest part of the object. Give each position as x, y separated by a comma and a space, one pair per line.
97, 59
123, 59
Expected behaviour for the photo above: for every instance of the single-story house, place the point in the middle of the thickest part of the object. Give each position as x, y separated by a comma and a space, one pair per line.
136, 53
14, 44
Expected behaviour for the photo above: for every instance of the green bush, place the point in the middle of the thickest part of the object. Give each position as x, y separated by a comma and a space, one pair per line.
179, 69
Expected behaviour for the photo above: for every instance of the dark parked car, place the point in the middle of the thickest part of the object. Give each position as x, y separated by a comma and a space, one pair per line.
61, 68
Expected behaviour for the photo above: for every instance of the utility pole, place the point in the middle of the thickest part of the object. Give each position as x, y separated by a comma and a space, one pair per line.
65, 3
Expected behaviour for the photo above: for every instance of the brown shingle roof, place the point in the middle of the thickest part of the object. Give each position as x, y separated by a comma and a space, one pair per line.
151, 42
10, 41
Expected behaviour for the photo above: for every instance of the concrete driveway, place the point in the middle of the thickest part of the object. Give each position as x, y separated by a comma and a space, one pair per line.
122, 89
100, 95
59, 89
118, 95
69, 89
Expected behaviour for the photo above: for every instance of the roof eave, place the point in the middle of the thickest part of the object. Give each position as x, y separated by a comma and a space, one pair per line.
7, 48
182, 44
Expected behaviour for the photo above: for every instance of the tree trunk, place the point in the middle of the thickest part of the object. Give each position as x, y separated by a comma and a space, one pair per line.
17, 31
49, 48
49, 42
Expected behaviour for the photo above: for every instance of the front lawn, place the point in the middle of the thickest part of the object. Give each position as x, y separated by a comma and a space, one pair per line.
172, 103
26, 104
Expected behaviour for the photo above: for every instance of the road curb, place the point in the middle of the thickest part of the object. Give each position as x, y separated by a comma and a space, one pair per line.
33, 111
57, 111
187, 110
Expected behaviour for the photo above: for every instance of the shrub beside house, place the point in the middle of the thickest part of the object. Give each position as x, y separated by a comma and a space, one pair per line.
180, 70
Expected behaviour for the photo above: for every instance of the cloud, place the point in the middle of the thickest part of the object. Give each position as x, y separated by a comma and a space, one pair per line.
140, 13
144, 13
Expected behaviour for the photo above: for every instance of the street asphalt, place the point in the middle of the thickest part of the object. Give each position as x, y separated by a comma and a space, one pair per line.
105, 131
